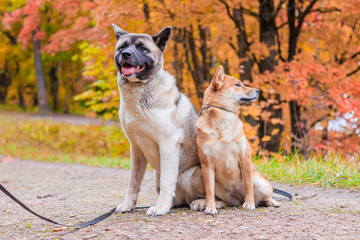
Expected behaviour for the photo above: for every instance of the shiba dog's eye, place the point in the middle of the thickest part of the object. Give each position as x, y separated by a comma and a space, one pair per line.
238, 85
142, 48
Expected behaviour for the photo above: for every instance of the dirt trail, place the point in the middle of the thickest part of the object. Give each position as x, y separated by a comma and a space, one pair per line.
73, 194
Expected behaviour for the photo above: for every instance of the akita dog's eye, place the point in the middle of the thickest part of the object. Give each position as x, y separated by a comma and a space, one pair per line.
142, 48
123, 46
238, 85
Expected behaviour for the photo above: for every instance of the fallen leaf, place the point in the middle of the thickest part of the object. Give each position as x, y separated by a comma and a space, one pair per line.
59, 229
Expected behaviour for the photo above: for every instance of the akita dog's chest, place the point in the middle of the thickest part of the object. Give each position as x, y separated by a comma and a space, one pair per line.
149, 121
148, 129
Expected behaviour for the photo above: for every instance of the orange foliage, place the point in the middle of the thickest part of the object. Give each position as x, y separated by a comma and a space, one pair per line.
323, 77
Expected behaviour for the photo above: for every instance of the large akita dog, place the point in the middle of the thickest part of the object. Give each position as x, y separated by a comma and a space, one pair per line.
159, 122
225, 155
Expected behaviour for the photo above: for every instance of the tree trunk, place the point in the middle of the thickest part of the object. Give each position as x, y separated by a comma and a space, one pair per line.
5, 82
205, 55
292, 30
297, 127
295, 114
199, 69
40, 79
267, 35
225, 65
293, 105
146, 9
54, 87
247, 62
178, 66
21, 98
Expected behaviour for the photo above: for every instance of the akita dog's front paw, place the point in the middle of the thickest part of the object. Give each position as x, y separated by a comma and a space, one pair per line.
211, 210
249, 206
198, 205
125, 207
157, 211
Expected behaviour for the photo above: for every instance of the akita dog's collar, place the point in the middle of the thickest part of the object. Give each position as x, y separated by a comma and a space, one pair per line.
205, 107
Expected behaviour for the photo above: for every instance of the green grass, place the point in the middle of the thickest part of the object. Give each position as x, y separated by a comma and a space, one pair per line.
31, 153
106, 146
15, 108
74, 108
52, 141
330, 171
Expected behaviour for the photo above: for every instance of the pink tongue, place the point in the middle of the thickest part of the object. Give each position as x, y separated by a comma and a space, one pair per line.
128, 70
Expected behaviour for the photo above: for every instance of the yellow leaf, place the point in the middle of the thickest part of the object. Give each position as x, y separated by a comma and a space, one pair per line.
59, 229
266, 138
275, 131
275, 121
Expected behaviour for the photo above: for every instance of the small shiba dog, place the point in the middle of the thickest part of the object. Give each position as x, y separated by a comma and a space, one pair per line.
224, 152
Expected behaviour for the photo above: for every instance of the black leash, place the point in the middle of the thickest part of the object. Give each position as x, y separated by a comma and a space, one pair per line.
283, 193
92, 222
98, 219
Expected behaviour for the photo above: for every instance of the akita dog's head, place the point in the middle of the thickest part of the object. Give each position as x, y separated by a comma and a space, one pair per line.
138, 57
229, 92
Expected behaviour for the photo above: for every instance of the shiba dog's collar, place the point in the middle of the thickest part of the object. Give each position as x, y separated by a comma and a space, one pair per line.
208, 106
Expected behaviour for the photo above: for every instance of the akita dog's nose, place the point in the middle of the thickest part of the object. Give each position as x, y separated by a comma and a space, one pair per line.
126, 54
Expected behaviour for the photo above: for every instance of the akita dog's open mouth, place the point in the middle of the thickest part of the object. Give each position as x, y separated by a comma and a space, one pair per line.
127, 69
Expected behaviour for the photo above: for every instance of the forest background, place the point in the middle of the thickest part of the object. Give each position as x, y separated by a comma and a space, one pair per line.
304, 56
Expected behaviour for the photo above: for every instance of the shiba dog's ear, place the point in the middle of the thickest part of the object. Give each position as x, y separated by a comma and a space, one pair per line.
218, 79
118, 31
161, 38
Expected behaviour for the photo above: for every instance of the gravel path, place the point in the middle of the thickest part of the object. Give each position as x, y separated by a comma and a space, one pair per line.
73, 194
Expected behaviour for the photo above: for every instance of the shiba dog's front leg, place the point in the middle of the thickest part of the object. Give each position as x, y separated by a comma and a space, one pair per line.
138, 167
169, 151
247, 175
209, 181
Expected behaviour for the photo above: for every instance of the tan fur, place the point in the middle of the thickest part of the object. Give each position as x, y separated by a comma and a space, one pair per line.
224, 152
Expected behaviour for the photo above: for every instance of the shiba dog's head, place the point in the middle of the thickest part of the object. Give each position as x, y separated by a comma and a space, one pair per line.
228, 92
138, 57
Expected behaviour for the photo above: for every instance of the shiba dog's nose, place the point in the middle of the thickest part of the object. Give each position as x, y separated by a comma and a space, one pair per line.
126, 54
257, 91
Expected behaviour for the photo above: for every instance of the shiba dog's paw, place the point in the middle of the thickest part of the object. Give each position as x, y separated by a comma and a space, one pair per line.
272, 203
211, 211
198, 205
156, 211
220, 204
249, 206
125, 207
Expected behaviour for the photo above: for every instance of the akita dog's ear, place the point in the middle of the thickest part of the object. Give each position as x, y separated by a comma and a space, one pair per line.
218, 79
161, 38
118, 31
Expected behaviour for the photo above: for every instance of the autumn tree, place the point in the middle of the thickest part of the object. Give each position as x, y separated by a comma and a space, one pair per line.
39, 21
313, 76
264, 14
290, 50
9, 65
